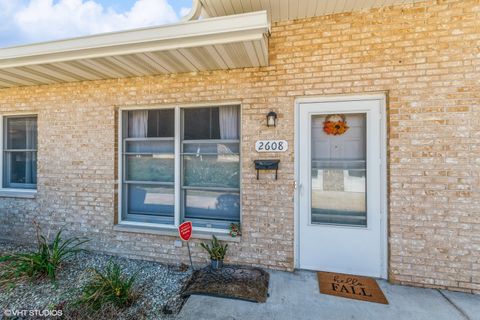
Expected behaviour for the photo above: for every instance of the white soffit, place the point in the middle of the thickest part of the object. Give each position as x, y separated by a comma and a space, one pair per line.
282, 10
227, 42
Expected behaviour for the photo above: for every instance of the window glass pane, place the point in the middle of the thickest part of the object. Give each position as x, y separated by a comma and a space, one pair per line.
218, 148
201, 124
150, 146
161, 123
157, 167
20, 169
149, 203
212, 205
149, 158
214, 125
212, 171
21, 133
339, 173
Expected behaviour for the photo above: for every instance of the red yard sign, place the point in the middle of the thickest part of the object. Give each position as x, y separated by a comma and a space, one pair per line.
185, 230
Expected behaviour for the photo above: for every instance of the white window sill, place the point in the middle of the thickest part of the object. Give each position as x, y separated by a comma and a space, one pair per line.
18, 193
172, 231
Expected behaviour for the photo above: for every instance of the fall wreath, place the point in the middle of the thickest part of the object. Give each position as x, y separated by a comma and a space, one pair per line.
335, 124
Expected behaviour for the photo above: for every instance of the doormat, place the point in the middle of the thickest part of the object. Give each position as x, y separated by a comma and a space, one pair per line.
350, 286
234, 282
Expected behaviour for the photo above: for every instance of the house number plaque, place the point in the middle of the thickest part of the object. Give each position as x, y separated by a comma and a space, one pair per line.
271, 146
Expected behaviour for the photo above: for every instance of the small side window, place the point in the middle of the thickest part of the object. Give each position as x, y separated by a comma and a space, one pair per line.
20, 152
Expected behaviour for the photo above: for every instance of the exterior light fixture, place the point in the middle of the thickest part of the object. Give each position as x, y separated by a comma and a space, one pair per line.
271, 119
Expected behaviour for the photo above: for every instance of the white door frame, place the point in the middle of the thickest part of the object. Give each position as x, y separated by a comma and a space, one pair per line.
381, 97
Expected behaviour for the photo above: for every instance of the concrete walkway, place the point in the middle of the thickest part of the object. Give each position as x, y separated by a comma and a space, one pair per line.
295, 296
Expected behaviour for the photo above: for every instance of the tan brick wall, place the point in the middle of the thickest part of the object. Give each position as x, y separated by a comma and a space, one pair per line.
425, 57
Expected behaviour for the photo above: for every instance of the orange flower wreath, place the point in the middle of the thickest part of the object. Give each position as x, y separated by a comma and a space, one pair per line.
335, 124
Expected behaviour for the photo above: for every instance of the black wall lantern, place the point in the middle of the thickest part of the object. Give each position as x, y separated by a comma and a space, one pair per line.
271, 119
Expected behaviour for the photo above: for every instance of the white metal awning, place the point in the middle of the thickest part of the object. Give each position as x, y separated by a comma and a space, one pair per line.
226, 42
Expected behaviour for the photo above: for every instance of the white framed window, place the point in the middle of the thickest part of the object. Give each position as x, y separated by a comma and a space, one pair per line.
180, 163
19, 152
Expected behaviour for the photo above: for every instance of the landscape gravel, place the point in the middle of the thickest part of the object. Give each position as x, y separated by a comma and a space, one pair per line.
158, 285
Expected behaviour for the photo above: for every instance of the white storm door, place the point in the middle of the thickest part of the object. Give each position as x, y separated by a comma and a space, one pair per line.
340, 188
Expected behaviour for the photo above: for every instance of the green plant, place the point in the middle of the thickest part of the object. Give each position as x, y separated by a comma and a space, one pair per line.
215, 249
235, 230
45, 261
112, 286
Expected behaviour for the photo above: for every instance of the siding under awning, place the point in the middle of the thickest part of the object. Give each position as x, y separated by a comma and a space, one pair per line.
229, 42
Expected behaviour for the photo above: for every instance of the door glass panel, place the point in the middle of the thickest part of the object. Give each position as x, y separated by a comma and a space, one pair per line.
338, 162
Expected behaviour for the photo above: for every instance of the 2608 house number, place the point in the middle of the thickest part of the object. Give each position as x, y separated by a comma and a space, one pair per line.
271, 146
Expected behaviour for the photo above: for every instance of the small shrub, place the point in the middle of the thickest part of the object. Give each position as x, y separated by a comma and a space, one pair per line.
215, 249
111, 286
43, 262
235, 230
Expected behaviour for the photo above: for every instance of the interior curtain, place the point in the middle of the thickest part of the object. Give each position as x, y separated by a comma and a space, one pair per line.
138, 124
138, 128
228, 119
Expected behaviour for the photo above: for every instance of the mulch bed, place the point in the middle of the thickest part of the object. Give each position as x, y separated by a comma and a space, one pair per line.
158, 287
234, 282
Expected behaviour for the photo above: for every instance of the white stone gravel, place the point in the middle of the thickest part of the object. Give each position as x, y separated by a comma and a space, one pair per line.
159, 286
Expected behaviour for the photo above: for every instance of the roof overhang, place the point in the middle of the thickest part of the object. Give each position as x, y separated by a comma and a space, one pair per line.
282, 10
226, 42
